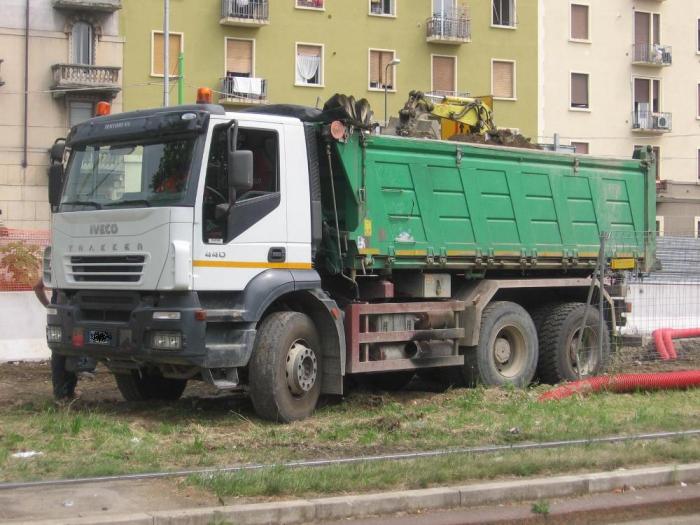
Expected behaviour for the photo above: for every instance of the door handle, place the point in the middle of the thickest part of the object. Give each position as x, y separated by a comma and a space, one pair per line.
277, 254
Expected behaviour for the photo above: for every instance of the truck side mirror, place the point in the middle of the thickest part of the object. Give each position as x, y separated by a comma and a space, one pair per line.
240, 170
55, 184
57, 150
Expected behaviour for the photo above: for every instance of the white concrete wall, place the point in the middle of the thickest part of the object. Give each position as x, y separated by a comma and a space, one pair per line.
22, 328
654, 306
607, 58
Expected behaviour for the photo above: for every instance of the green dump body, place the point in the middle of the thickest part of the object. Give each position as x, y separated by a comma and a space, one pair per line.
425, 204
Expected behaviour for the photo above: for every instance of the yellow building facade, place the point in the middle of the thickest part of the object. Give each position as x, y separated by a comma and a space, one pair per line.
303, 51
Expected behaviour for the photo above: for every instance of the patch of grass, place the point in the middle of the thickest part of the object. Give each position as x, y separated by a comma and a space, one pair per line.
541, 507
88, 438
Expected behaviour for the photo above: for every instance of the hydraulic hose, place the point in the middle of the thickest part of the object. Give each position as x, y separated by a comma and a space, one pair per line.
626, 383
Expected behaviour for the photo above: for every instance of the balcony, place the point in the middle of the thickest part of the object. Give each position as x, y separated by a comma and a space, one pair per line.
453, 30
656, 122
108, 6
89, 80
654, 55
243, 91
245, 13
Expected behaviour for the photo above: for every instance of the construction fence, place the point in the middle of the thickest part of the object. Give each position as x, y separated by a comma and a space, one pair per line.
21, 253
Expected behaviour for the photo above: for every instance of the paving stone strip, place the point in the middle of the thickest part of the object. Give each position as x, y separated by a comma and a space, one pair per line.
356, 506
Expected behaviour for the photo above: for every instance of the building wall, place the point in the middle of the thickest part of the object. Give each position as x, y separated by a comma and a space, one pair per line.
347, 32
607, 58
23, 190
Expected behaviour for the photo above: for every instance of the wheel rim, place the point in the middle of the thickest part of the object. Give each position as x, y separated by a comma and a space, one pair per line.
587, 354
509, 351
302, 368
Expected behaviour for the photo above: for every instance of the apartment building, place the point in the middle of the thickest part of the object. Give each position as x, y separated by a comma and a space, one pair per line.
303, 51
70, 53
619, 75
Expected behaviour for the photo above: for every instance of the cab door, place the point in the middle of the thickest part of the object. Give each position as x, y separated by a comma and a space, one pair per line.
234, 243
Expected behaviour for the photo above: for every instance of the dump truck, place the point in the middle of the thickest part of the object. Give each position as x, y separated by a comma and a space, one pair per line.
283, 250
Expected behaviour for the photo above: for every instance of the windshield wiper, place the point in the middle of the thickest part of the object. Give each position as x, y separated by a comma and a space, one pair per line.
94, 204
129, 201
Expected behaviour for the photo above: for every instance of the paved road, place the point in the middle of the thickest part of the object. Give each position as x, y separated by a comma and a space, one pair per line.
675, 505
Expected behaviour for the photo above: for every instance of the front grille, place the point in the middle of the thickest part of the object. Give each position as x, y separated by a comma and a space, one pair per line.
107, 268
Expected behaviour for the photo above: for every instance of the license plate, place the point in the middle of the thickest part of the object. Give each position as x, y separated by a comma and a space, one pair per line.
99, 337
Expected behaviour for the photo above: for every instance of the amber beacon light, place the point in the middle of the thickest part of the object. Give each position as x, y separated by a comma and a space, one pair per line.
204, 95
103, 109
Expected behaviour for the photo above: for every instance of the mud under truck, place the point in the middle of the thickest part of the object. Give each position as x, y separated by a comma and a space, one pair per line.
282, 250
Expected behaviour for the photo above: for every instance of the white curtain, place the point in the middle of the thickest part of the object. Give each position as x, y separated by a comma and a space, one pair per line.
307, 67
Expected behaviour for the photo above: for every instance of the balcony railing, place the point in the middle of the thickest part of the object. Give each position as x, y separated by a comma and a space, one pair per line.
653, 55
243, 90
247, 13
89, 5
658, 122
67, 77
448, 30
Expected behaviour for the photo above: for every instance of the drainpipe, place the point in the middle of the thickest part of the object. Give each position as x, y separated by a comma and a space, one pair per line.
166, 53
25, 161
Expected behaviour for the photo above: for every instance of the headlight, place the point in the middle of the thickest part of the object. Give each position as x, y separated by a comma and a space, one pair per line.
166, 340
54, 334
47, 270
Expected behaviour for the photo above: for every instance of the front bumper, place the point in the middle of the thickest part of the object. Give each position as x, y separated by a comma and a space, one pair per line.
126, 325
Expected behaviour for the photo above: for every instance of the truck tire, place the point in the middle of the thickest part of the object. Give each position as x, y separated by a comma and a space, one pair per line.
558, 336
62, 380
143, 385
507, 348
286, 369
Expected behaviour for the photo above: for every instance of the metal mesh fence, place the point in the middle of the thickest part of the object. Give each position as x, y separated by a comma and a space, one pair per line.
21, 254
656, 305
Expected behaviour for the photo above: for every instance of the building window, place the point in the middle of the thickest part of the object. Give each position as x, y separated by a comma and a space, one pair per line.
579, 91
239, 57
157, 53
503, 13
699, 164
657, 157
581, 147
309, 65
696, 226
698, 115
698, 36
579, 22
647, 101
381, 76
647, 37
82, 43
659, 226
310, 4
503, 79
444, 78
445, 8
382, 7
79, 112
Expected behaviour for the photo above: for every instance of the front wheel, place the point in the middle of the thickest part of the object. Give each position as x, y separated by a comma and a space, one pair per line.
286, 368
507, 348
143, 385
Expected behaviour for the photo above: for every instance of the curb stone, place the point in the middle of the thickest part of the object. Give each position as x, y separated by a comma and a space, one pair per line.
357, 506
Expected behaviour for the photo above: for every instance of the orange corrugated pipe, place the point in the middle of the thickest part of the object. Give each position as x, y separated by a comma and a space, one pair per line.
626, 383
663, 340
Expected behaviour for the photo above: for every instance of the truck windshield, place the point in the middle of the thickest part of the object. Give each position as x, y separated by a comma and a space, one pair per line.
137, 174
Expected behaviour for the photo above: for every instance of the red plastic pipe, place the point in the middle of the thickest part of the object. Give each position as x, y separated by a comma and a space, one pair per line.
668, 343
658, 336
626, 383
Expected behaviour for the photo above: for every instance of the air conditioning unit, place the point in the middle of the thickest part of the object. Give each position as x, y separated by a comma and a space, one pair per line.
662, 122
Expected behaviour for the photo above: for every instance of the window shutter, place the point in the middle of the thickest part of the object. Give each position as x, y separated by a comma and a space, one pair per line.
641, 28
580, 147
503, 80
444, 74
579, 22
374, 67
309, 51
579, 90
159, 51
239, 56
641, 90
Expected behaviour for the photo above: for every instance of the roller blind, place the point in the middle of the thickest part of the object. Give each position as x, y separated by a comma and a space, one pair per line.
641, 28
239, 56
503, 80
579, 22
377, 66
444, 73
158, 52
581, 147
579, 90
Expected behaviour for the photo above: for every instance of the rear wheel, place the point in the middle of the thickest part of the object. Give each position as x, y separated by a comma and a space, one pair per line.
286, 368
559, 336
507, 348
142, 385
